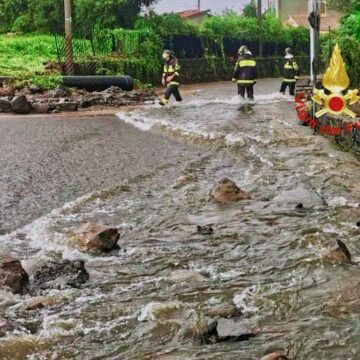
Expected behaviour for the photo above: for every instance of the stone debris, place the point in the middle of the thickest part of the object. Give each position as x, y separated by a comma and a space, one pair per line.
226, 191
33, 99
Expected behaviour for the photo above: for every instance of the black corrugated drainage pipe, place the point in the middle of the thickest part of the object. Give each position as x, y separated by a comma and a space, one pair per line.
99, 83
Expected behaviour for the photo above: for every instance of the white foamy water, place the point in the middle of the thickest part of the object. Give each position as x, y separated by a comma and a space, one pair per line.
213, 125
258, 258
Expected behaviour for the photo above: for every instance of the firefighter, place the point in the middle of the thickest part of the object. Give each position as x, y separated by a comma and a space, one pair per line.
245, 73
291, 73
170, 77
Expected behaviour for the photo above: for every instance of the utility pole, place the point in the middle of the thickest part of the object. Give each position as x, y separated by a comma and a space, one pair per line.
69, 55
314, 38
199, 5
259, 14
277, 8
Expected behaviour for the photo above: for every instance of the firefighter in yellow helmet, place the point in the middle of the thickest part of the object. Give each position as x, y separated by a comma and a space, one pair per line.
245, 73
170, 77
291, 72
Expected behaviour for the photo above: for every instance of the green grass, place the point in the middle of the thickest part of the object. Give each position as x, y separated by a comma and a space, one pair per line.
25, 53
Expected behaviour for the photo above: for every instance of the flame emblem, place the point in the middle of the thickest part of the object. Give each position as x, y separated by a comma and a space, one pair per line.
336, 80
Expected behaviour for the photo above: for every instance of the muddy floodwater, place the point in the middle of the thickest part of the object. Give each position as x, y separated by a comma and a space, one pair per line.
266, 257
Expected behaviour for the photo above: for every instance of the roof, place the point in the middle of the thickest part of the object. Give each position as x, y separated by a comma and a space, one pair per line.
188, 14
330, 19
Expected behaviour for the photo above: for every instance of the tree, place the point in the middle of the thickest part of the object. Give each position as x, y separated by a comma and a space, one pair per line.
250, 10
47, 15
166, 24
346, 6
10, 11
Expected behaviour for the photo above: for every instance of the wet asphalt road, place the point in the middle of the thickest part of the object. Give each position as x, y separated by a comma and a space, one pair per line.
47, 162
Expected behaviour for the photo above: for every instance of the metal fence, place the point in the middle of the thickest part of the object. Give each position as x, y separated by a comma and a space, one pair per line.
190, 46
87, 46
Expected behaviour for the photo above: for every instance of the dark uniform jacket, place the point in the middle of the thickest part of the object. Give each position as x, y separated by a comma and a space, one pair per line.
291, 71
245, 71
171, 68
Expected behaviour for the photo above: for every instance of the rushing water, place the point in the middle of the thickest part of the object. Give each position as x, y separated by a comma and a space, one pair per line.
265, 256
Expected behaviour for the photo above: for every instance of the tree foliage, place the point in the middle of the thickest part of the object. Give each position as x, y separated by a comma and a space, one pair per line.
167, 24
348, 38
351, 26
48, 15
247, 28
231, 25
250, 9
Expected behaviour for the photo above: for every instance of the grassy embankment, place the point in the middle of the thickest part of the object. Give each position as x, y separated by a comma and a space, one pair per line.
21, 54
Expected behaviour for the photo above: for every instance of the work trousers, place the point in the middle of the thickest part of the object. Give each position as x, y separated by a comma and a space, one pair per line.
246, 88
291, 86
173, 90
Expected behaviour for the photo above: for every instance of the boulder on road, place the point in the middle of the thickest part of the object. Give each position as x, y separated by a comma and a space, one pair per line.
20, 105
5, 105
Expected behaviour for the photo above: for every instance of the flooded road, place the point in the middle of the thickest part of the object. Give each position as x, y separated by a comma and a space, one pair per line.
265, 256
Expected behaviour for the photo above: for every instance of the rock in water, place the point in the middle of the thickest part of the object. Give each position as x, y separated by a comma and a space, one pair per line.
213, 333
203, 332
226, 191
205, 230
339, 255
275, 356
60, 275
12, 274
5, 326
97, 238
20, 105
225, 311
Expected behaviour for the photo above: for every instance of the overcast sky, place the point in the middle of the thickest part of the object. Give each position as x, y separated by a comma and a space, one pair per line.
216, 6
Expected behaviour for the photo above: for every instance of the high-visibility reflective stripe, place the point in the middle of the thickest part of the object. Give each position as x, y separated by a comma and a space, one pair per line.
243, 63
164, 101
174, 83
291, 66
177, 74
170, 69
246, 81
289, 80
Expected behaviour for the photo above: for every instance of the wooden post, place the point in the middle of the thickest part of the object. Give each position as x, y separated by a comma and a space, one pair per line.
69, 55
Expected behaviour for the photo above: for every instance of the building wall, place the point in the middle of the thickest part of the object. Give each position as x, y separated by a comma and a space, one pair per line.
292, 7
197, 20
